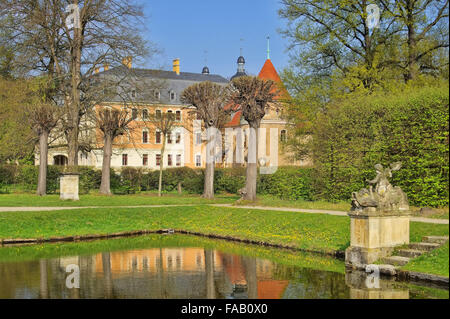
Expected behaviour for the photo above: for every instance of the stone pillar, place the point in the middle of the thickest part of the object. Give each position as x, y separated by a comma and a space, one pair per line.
69, 186
375, 234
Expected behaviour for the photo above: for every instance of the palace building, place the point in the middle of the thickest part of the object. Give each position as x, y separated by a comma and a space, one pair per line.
153, 91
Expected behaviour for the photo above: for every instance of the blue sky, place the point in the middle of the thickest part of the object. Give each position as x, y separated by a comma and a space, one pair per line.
186, 28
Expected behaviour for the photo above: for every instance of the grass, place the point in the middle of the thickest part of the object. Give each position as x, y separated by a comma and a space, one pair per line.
318, 232
272, 201
435, 262
30, 200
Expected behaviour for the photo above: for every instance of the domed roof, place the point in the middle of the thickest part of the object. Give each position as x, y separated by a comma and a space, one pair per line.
205, 70
241, 60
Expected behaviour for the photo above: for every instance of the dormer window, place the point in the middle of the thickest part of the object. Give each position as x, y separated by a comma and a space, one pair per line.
133, 93
173, 96
157, 95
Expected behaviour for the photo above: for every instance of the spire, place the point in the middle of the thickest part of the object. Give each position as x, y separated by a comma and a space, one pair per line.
268, 47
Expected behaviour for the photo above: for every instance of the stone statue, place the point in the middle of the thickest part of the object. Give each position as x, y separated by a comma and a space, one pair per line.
385, 197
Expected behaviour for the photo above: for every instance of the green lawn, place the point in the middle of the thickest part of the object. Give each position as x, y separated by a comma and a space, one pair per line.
435, 262
317, 232
271, 201
31, 200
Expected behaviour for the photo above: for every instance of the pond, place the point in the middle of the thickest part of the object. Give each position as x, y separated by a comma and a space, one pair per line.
184, 267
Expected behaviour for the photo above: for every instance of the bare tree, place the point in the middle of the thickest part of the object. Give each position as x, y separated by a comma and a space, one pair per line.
209, 100
253, 96
43, 118
112, 123
70, 40
163, 124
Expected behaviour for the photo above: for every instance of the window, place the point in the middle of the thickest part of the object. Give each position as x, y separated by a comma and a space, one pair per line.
198, 161
145, 136
178, 116
198, 138
157, 95
172, 96
158, 114
133, 93
145, 115
124, 159
134, 114
283, 136
158, 137
170, 114
169, 160
178, 160
145, 160
198, 116
178, 138
169, 138
158, 159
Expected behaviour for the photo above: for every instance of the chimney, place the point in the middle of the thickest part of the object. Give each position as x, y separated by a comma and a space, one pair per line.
128, 62
106, 67
176, 66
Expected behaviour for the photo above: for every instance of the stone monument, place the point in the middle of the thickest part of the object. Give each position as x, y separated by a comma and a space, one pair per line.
379, 219
69, 186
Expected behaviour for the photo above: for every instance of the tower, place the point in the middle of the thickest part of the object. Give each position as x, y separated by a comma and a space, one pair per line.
241, 66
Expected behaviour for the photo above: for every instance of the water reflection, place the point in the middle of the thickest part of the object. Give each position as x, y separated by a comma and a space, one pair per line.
183, 273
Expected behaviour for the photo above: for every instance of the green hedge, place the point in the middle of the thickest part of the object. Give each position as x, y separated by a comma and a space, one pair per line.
410, 127
287, 183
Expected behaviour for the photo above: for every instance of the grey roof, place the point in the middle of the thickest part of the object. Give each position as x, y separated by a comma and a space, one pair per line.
238, 74
147, 82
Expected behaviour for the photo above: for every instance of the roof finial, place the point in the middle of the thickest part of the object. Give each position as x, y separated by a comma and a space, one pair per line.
268, 47
242, 42
206, 56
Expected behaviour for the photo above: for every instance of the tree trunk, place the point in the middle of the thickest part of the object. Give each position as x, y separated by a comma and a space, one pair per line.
208, 191
209, 270
108, 283
43, 149
105, 187
43, 286
161, 166
252, 164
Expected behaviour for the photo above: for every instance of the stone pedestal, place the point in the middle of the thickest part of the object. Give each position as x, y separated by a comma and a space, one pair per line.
69, 187
375, 234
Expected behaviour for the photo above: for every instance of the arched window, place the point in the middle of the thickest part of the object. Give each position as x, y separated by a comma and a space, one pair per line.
158, 137
283, 136
158, 114
145, 136
145, 114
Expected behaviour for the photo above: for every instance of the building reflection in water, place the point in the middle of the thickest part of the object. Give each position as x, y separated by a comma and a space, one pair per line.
183, 273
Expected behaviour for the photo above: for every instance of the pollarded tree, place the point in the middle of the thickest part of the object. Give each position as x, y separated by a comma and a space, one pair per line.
43, 119
209, 100
113, 123
253, 96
